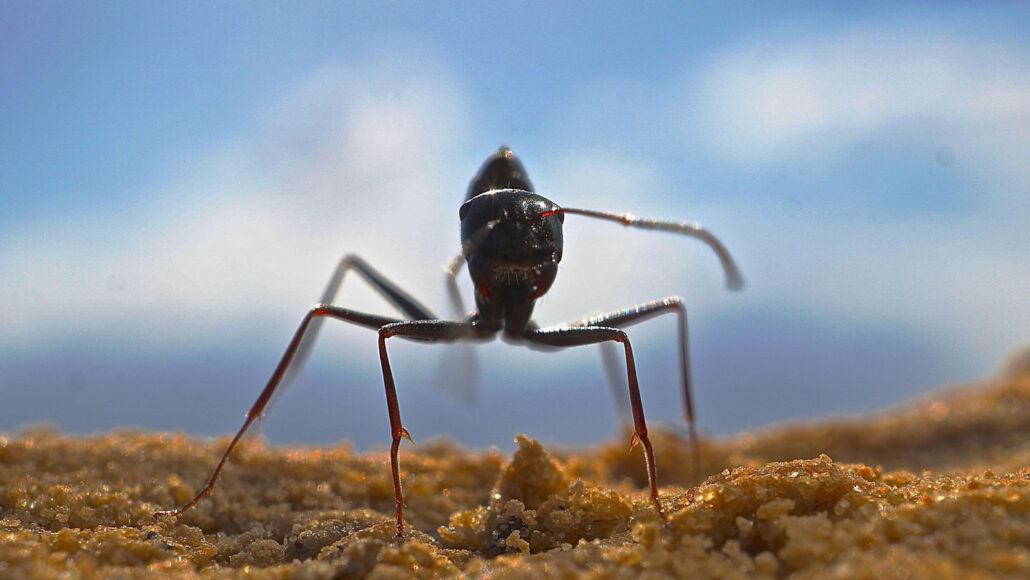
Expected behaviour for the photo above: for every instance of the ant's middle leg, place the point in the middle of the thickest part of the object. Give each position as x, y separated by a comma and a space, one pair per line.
583, 335
316, 313
640, 313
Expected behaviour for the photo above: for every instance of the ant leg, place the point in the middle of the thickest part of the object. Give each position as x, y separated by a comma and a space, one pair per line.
640, 313
452, 269
460, 380
612, 372
316, 313
582, 335
393, 294
427, 330
412, 309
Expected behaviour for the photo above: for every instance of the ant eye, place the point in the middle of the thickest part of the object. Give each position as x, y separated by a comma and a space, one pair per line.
556, 211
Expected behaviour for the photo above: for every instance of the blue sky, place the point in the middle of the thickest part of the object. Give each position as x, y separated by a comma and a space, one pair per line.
178, 182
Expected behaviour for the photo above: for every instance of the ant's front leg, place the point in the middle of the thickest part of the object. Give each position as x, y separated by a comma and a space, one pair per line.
640, 313
424, 330
316, 313
582, 335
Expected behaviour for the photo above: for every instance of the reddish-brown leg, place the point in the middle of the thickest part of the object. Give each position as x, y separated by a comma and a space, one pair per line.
427, 330
397, 430
319, 310
581, 335
640, 313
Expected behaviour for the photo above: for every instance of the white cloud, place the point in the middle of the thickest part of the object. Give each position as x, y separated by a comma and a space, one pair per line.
806, 101
961, 280
350, 161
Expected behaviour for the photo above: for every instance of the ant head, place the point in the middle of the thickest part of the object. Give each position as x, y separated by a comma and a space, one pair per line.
502, 170
512, 238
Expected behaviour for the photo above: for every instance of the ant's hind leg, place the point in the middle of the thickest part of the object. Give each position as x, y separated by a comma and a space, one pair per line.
316, 313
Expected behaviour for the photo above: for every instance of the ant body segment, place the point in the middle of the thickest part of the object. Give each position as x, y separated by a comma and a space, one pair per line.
511, 243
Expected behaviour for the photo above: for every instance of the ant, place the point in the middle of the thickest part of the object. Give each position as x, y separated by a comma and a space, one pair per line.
512, 243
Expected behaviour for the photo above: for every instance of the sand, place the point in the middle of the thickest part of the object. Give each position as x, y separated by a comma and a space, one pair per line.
937, 488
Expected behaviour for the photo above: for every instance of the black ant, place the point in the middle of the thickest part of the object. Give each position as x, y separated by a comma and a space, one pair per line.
512, 243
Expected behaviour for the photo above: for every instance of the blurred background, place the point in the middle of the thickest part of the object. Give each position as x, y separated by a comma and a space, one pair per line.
178, 181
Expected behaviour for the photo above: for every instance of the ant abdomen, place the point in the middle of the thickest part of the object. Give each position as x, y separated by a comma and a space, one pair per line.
502, 170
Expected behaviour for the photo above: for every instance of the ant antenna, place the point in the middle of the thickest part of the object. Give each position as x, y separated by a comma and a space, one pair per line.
734, 280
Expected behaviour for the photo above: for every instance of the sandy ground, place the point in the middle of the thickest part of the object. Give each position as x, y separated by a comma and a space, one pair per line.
939, 487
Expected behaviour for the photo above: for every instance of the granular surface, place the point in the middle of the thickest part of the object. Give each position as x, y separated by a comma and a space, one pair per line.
937, 488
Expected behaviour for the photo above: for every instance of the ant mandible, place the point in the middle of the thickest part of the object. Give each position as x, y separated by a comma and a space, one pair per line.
512, 242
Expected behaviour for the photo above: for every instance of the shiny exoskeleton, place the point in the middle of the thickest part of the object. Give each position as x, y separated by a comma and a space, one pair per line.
512, 244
